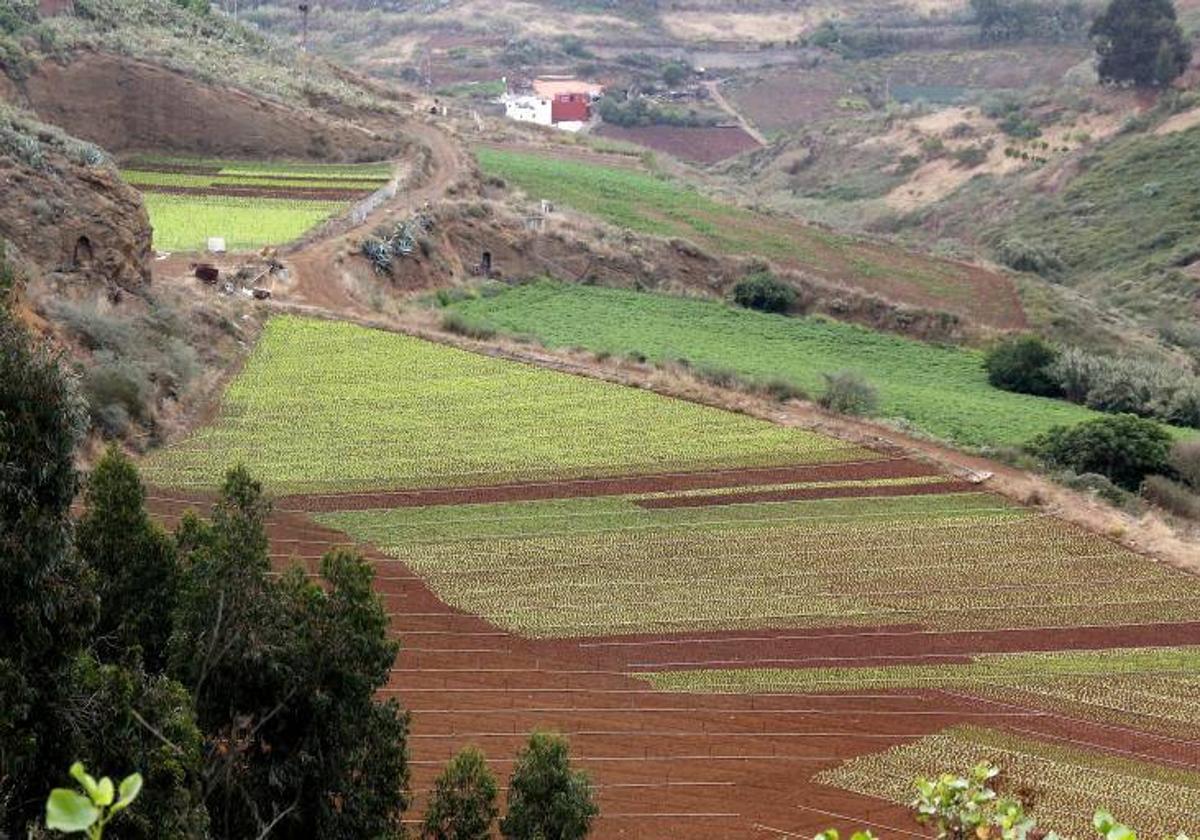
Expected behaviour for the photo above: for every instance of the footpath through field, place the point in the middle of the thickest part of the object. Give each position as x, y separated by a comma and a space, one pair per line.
677, 764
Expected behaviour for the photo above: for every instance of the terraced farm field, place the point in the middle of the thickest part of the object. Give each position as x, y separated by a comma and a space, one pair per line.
619, 565
641, 202
327, 406
1062, 783
742, 629
942, 391
250, 204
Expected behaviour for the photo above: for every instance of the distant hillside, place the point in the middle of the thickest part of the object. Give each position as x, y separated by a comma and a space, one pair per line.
154, 75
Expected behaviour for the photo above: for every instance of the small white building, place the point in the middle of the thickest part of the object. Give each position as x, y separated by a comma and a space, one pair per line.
529, 108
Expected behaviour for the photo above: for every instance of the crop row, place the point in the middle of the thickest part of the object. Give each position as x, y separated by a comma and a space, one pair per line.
323, 406
594, 566
1064, 785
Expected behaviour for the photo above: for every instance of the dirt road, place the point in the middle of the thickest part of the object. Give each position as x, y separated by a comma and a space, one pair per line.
718, 98
316, 279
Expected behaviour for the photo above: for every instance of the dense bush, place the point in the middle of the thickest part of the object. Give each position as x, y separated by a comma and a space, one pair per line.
1020, 255
1134, 386
1023, 364
1140, 41
762, 291
1171, 496
1185, 461
1096, 484
460, 324
1123, 448
641, 111
1010, 20
846, 392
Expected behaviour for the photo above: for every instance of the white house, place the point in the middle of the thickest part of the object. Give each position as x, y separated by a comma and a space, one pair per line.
527, 108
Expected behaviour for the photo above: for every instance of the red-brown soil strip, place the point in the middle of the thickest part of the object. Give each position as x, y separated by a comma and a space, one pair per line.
305, 193
614, 486
855, 646
802, 493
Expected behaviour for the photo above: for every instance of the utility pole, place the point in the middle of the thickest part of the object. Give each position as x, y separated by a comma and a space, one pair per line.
304, 36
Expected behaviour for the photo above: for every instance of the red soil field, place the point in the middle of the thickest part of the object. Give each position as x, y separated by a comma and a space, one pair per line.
675, 764
938, 488
701, 144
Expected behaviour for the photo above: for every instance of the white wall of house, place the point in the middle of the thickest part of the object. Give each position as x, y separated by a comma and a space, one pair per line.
532, 109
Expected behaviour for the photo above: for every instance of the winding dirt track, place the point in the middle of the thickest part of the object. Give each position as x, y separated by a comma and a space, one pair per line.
693, 765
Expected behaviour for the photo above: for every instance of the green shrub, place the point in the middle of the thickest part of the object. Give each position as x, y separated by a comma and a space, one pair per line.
1096, 484
1123, 448
462, 805
459, 324
1020, 255
846, 392
1023, 364
117, 392
782, 390
721, 377
1171, 496
762, 291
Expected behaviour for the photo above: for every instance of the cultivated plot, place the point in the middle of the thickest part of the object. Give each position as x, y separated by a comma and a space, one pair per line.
953, 561
1154, 689
323, 407
1062, 783
249, 204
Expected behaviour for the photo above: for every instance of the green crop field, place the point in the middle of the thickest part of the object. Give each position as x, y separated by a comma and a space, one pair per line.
641, 202
1156, 689
1064, 785
328, 406
599, 566
264, 204
942, 391
184, 222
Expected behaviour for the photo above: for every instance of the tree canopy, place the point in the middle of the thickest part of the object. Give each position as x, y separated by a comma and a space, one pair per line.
1140, 42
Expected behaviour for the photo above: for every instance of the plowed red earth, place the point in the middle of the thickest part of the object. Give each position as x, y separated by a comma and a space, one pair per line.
801, 493
669, 765
614, 486
304, 193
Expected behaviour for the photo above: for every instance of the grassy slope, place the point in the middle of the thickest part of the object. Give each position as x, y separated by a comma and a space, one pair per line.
1124, 224
941, 391
643, 203
325, 406
605, 565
